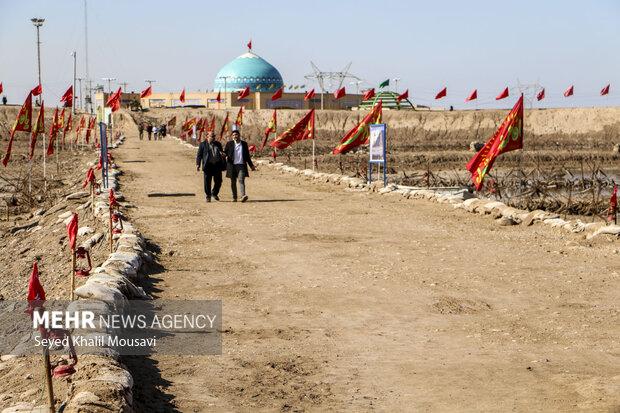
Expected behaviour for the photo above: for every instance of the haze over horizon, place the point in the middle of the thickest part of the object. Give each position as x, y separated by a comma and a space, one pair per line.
464, 46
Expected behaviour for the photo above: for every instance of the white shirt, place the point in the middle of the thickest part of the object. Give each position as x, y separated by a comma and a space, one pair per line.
238, 154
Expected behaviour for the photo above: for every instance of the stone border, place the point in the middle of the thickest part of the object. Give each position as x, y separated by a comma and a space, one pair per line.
112, 282
461, 199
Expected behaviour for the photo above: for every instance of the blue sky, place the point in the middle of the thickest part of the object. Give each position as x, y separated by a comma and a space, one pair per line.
463, 45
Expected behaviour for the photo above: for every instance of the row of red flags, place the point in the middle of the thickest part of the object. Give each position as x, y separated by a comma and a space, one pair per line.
370, 93
24, 123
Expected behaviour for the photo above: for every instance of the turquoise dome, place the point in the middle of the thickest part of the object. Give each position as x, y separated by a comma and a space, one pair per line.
250, 70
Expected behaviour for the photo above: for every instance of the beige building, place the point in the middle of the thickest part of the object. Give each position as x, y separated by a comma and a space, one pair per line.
255, 100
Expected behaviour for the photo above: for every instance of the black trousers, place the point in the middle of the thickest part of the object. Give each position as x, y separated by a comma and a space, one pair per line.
212, 174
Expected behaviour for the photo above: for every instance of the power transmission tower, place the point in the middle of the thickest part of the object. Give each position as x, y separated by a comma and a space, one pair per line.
529, 90
329, 79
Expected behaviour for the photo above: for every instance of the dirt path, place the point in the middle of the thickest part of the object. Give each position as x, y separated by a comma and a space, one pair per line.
353, 301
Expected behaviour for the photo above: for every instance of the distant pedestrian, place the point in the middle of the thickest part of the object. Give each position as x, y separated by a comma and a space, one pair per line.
163, 130
237, 161
211, 158
4, 100
155, 131
149, 130
141, 130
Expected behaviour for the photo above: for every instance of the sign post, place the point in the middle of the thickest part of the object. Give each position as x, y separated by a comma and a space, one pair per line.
378, 150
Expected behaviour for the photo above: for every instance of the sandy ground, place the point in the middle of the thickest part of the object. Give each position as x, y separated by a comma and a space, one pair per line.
342, 300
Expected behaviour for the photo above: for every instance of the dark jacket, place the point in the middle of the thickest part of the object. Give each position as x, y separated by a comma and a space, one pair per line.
229, 150
203, 157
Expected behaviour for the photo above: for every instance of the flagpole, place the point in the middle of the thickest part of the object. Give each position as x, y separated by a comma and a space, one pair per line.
44, 164
30, 176
313, 151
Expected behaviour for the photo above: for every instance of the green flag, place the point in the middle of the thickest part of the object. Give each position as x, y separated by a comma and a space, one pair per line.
385, 83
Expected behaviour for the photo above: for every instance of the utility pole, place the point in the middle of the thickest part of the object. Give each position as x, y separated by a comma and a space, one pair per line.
225, 90
81, 100
124, 85
38, 22
150, 82
396, 79
109, 80
74, 77
89, 91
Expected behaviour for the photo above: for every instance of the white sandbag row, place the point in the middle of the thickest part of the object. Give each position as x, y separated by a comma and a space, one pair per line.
110, 284
461, 199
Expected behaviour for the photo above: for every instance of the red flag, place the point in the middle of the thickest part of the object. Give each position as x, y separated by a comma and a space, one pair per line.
271, 128
252, 148
370, 93
302, 130
442, 93
35, 289
508, 137
114, 101
569, 92
245, 92
472, 96
277, 94
68, 123
249, 45
22, 123
182, 96
361, 132
81, 125
91, 127
309, 95
173, 121
37, 90
53, 131
212, 125
72, 228
613, 204
224, 128
239, 120
404, 95
340, 93
604, 91
113, 97
218, 98
39, 127
67, 98
1, 88
112, 199
146, 92
90, 177
541, 95
502, 95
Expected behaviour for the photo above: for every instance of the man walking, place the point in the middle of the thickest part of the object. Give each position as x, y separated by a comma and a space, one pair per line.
237, 161
211, 158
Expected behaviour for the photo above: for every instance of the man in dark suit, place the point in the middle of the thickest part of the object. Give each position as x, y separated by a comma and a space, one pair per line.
237, 162
211, 158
